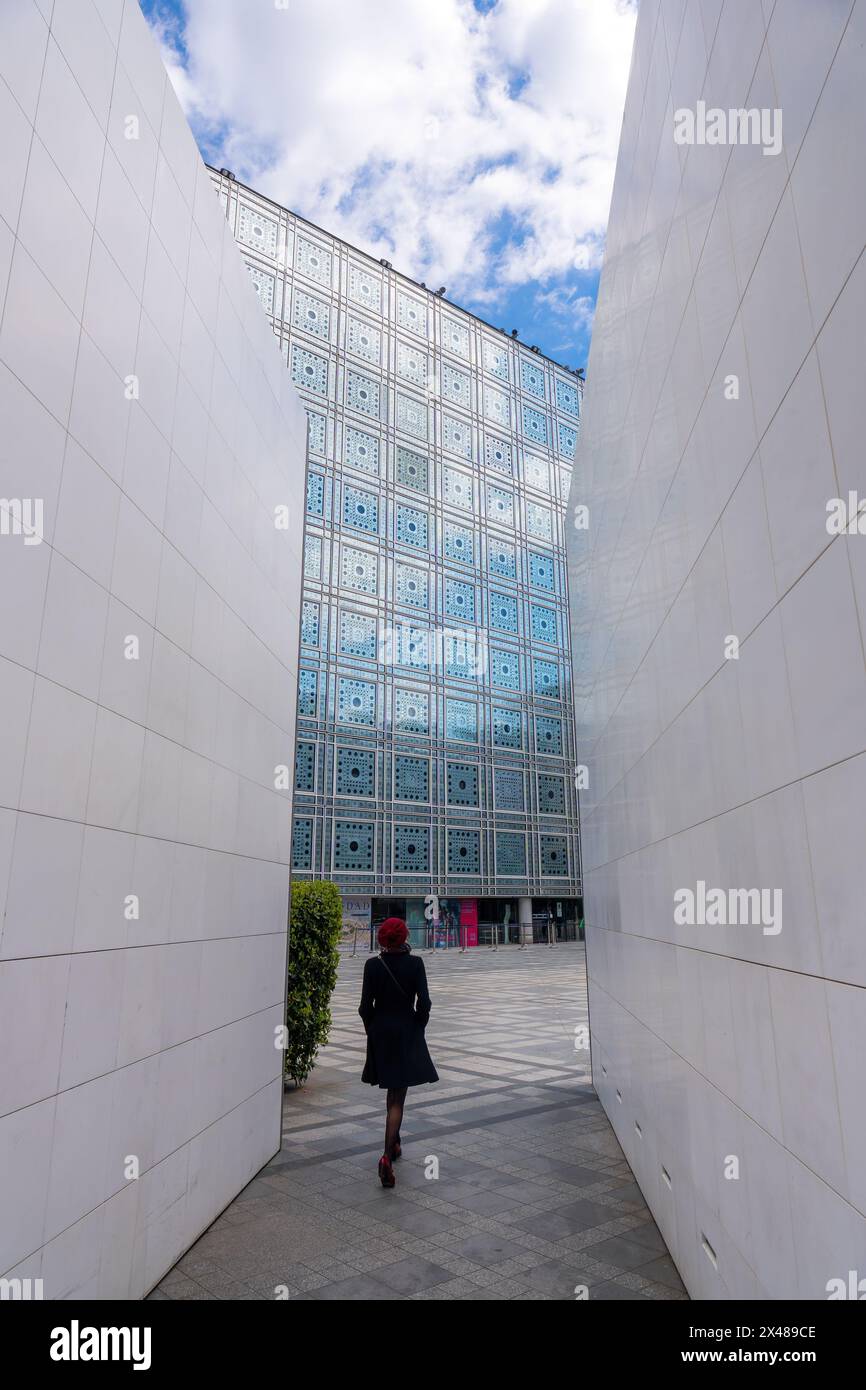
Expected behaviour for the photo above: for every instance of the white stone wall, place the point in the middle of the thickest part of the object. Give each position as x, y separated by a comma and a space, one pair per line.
708, 520
153, 778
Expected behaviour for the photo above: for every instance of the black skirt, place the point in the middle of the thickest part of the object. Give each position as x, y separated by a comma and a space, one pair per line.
397, 1054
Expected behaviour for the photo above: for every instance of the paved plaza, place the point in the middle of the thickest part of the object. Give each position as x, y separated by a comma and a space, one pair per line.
533, 1199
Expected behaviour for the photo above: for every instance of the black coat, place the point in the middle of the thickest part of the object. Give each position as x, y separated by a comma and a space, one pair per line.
395, 1013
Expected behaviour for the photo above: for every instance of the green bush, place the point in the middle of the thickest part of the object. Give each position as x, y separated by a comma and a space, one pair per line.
316, 922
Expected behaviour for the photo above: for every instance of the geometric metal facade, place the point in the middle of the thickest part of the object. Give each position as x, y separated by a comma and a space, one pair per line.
435, 721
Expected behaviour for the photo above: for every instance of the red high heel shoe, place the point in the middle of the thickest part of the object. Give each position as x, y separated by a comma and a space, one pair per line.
386, 1172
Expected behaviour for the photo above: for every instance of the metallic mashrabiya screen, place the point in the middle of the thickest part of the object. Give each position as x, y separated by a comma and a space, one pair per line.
435, 721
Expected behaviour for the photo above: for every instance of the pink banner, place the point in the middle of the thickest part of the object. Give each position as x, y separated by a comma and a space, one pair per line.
469, 922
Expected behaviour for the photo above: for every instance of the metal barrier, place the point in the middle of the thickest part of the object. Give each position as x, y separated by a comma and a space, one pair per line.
491, 935
352, 934
438, 937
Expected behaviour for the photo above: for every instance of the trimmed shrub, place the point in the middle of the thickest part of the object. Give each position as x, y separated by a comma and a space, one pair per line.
316, 922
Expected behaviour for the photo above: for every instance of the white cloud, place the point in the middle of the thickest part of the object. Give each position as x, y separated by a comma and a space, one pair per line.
420, 129
565, 312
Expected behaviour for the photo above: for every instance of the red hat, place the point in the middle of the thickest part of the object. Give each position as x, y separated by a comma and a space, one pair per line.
393, 932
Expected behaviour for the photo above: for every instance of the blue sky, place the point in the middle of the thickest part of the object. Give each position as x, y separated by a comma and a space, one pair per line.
470, 142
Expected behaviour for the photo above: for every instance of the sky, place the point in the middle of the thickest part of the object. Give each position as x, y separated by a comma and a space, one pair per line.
472, 143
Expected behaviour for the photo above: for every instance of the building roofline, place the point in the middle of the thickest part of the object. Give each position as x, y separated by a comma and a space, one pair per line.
377, 261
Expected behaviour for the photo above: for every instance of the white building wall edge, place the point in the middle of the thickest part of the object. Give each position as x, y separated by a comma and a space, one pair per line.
148, 667
708, 519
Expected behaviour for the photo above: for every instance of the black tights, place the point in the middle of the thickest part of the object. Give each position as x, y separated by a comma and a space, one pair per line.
394, 1102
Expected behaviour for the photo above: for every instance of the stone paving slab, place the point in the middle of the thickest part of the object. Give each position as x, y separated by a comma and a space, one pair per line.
533, 1200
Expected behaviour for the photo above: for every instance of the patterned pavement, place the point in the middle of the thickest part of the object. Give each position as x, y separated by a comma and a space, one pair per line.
533, 1199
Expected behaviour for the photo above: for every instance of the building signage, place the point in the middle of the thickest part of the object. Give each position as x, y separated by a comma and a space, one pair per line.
357, 915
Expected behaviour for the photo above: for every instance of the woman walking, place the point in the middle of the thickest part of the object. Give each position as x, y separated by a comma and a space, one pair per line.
395, 1007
